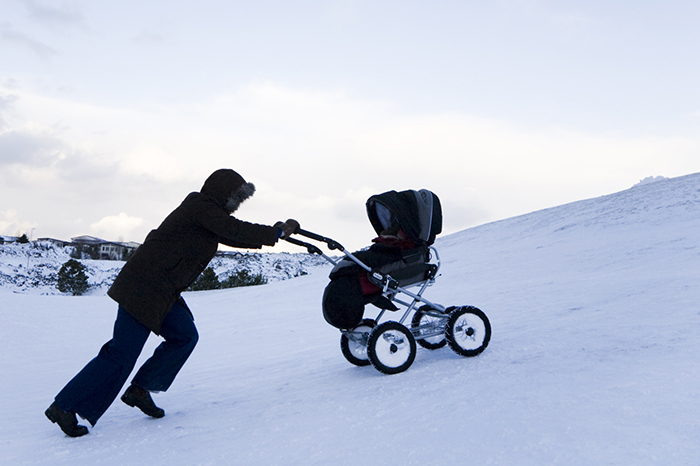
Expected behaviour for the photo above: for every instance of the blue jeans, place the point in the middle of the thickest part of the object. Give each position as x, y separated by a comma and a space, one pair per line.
95, 387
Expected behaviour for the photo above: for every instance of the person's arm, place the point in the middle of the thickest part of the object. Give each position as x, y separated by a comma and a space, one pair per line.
237, 233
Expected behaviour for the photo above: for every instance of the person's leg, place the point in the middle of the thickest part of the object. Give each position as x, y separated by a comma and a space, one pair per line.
180, 334
158, 373
95, 387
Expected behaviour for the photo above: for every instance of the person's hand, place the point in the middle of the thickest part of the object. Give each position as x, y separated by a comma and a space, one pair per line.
288, 228
293, 224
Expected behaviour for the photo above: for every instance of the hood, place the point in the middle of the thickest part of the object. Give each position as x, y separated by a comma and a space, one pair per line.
417, 213
228, 188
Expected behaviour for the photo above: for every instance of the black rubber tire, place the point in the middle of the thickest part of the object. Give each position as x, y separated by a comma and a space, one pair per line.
468, 331
391, 348
431, 343
353, 351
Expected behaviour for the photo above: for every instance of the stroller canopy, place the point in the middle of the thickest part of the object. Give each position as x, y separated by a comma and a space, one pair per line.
418, 213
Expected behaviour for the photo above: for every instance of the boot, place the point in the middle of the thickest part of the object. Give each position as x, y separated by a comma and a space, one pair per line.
138, 397
66, 420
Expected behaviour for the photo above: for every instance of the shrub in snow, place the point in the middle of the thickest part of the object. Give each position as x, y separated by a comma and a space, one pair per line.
206, 281
243, 278
72, 278
209, 281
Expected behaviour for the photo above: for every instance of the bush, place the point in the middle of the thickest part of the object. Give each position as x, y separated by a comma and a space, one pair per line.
206, 281
243, 278
72, 278
209, 281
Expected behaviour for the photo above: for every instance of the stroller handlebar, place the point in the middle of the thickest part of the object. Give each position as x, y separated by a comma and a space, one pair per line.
311, 249
332, 244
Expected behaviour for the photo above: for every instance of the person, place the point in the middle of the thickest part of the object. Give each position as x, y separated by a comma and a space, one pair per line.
147, 291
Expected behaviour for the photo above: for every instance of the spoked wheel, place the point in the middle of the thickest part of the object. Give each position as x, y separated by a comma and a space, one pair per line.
468, 331
391, 348
426, 324
353, 344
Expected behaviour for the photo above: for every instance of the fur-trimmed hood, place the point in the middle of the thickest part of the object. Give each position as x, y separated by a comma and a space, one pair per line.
228, 188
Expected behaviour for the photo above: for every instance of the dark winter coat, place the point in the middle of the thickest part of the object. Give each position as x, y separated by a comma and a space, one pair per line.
173, 255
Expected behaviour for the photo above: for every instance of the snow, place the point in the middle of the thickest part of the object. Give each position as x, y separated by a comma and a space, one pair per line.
650, 179
33, 268
593, 359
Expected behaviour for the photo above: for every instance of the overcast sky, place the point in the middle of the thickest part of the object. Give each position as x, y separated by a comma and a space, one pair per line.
111, 112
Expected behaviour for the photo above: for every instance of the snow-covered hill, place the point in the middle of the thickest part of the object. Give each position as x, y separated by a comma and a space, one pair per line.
33, 268
593, 359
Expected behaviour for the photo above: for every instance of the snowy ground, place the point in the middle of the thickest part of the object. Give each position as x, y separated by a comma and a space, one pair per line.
593, 361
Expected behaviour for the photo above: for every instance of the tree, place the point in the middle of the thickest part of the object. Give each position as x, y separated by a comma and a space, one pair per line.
206, 281
243, 278
72, 278
23, 239
209, 281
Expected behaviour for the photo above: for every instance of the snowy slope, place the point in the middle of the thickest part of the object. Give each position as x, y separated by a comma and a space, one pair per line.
596, 336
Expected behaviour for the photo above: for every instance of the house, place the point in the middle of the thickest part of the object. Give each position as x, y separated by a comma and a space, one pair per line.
87, 240
111, 251
57, 242
105, 249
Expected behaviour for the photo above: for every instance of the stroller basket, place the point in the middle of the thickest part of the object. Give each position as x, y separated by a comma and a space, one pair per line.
413, 268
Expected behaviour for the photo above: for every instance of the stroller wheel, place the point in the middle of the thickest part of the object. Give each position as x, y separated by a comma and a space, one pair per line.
353, 344
433, 327
468, 331
391, 348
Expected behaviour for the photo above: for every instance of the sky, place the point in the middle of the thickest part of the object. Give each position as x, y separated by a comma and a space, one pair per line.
112, 112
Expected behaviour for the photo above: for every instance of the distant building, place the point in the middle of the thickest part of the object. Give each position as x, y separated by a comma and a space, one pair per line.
106, 249
58, 242
85, 239
112, 251
96, 248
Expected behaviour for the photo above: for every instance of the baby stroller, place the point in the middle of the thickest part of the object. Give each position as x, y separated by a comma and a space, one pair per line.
402, 256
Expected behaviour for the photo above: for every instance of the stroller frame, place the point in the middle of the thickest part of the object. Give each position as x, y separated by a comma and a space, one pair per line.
391, 346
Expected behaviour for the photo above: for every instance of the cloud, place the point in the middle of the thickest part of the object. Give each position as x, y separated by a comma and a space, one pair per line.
12, 225
35, 155
17, 38
65, 14
22, 147
148, 38
6, 102
116, 226
314, 155
152, 160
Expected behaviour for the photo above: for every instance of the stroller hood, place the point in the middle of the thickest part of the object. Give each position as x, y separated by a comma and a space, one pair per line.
418, 213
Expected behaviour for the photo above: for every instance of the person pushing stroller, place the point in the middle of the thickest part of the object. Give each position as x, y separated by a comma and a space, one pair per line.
147, 291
